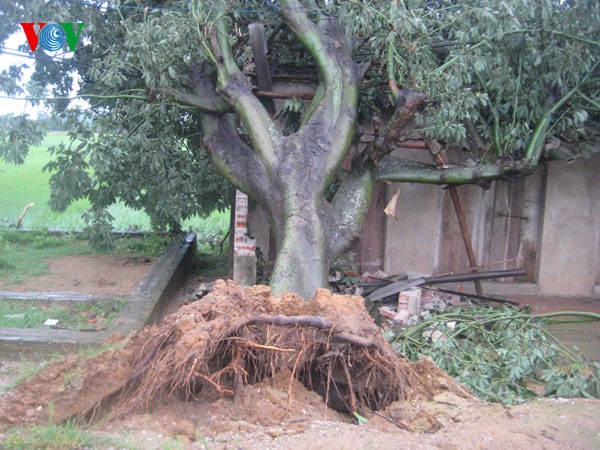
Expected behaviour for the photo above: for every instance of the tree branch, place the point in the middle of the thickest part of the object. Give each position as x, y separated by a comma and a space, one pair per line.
233, 158
332, 114
213, 105
349, 209
540, 135
307, 32
235, 89
407, 104
403, 170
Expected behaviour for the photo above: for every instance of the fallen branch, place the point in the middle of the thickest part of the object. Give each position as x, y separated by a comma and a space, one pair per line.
20, 219
590, 315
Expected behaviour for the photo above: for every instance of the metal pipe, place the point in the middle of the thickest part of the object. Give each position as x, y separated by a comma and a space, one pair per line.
475, 276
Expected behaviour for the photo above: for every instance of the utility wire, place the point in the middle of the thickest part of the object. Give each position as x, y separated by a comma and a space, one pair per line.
272, 7
20, 54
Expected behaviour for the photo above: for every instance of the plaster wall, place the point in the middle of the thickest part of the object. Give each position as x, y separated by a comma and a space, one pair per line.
567, 230
571, 229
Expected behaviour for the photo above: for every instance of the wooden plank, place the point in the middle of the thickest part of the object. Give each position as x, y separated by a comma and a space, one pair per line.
533, 196
452, 255
487, 216
515, 225
258, 43
598, 265
284, 95
258, 222
465, 234
371, 249
499, 225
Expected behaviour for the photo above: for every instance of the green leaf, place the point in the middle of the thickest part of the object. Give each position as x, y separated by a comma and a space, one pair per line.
360, 419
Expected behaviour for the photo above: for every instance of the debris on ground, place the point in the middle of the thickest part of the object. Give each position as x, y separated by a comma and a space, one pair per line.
203, 289
415, 304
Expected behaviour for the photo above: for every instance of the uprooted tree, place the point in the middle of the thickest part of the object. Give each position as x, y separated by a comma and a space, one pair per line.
512, 82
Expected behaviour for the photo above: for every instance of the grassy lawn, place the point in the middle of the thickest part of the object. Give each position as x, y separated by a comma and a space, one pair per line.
92, 315
70, 436
24, 184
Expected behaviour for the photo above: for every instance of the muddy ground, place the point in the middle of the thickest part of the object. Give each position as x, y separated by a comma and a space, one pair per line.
280, 414
265, 421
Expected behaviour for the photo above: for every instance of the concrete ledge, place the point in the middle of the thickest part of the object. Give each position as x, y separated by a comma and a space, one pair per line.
57, 296
165, 277
495, 288
162, 281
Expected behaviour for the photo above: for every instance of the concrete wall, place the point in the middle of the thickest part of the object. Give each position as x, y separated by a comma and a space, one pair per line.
412, 238
571, 228
559, 240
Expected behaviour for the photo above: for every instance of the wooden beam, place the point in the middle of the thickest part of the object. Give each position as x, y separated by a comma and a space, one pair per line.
284, 95
259, 50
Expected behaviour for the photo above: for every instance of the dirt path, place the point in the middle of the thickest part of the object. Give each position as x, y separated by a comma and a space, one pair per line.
542, 424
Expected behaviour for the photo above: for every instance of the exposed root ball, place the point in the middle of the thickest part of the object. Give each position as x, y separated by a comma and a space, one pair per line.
233, 337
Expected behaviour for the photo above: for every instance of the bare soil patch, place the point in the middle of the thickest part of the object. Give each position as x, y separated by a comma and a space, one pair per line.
94, 274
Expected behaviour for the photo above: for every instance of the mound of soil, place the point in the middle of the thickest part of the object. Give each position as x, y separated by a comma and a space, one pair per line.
250, 353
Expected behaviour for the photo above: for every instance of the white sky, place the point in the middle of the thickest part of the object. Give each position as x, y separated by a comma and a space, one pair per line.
8, 106
20, 105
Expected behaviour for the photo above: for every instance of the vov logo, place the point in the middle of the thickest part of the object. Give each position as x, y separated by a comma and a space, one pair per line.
52, 36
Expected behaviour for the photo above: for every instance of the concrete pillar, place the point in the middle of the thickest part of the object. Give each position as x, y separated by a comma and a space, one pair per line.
244, 248
411, 242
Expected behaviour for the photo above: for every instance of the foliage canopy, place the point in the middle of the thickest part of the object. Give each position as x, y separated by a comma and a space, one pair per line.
511, 82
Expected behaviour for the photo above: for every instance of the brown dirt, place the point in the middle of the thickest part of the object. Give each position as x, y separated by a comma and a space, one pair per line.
94, 274
278, 411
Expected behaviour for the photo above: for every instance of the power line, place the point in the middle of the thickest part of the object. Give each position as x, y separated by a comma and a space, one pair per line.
267, 3
20, 54
106, 8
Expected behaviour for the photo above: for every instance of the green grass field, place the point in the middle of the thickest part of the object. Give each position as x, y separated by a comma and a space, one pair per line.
71, 315
24, 184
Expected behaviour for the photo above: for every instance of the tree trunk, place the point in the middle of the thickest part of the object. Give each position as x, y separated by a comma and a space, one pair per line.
288, 175
303, 259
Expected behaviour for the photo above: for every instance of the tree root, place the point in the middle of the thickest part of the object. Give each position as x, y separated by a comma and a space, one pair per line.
235, 337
